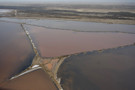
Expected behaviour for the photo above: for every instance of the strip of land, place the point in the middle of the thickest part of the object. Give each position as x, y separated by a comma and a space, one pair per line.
120, 14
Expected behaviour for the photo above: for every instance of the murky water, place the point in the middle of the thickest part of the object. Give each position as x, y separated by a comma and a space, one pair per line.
108, 70
112, 69
76, 25
35, 80
16, 52
52, 43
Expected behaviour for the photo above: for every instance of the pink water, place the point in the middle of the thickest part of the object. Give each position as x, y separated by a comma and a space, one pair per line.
53, 43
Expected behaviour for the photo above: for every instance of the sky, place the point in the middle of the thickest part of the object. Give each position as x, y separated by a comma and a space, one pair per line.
75, 1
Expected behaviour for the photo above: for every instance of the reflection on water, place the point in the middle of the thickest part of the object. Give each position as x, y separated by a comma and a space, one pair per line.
52, 43
16, 52
112, 69
76, 25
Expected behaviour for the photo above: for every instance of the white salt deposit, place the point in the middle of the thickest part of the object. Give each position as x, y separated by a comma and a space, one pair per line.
35, 66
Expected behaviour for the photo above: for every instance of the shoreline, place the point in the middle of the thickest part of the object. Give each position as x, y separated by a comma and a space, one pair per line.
94, 20
53, 74
37, 60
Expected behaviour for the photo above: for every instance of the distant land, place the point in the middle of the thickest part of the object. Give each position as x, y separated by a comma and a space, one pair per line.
64, 46
112, 13
67, 3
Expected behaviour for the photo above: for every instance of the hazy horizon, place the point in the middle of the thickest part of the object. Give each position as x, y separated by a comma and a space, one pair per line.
65, 1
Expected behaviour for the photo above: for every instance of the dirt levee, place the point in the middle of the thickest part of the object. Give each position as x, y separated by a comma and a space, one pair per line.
112, 69
52, 43
16, 52
35, 80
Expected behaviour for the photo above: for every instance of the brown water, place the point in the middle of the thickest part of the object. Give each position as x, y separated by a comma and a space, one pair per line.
112, 69
16, 52
35, 80
52, 43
